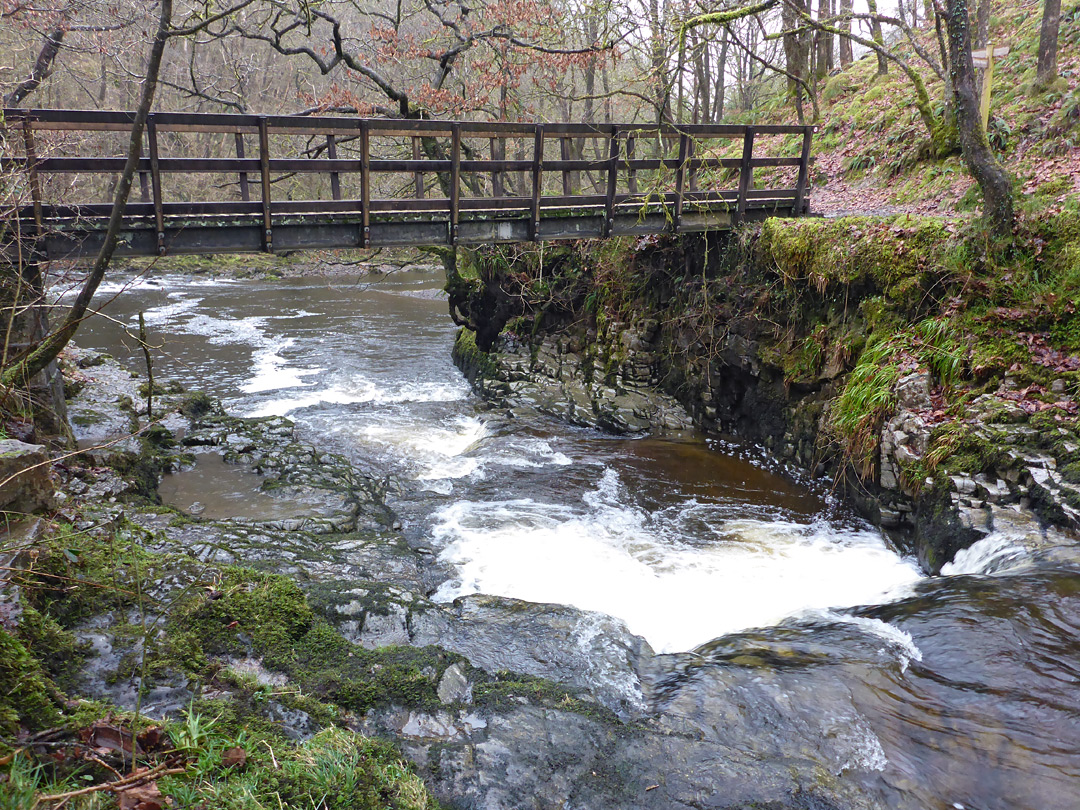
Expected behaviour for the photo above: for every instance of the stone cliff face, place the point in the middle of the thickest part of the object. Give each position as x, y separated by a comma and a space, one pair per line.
727, 337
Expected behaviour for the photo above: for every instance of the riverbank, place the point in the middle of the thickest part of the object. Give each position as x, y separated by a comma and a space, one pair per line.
932, 382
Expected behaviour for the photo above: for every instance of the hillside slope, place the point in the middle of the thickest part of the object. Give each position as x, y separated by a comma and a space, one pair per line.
871, 150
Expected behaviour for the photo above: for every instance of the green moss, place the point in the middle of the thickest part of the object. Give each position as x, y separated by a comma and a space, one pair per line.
467, 353
56, 649
505, 689
77, 575
26, 692
901, 258
269, 616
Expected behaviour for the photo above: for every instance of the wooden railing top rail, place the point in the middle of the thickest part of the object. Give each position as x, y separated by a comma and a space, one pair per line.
107, 120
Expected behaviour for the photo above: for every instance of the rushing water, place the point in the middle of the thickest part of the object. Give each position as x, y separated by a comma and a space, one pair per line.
967, 682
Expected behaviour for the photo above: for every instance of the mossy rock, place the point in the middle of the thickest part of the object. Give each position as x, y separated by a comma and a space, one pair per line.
268, 615
26, 697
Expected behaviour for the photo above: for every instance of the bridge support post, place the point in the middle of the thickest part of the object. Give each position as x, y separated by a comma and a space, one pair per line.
746, 176
155, 181
537, 179
264, 166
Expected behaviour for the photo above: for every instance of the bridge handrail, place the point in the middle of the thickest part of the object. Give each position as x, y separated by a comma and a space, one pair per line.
455, 161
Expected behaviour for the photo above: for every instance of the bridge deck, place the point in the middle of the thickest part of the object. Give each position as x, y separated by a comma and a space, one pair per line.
322, 182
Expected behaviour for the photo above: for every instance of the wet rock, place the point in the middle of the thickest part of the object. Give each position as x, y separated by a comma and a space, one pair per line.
454, 686
913, 392
975, 518
563, 385
1016, 523
586, 650
296, 724
25, 485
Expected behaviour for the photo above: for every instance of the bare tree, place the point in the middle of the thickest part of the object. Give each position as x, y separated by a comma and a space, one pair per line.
1046, 72
846, 56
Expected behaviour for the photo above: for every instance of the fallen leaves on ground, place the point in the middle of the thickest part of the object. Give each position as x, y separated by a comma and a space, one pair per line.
145, 796
234, 758
1042, 354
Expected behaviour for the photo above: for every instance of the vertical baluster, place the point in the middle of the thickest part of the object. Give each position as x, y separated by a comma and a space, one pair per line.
631, 172
33, 176
365, 184
245, 190
613, 180
335, 177
264, 167
144, 184
804, 172
418, 177
537, 178
680, 179
455, 180
746, 174
155, 180
498, 153
564, 154
691, 171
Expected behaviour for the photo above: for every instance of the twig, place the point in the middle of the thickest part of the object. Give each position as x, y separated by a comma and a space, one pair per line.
67, 579
116, 786
149, 368
107, 766
272, 757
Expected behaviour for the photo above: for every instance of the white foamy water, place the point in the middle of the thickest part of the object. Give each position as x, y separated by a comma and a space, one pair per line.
994, 553
601, 556
440, 451
357, 390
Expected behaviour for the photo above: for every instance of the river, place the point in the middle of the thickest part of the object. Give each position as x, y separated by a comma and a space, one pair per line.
964, 686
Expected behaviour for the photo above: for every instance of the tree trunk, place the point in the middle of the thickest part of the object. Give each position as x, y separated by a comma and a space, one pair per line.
796, 49
830, 59
982, 16
53, 344
658, 57
846, 56
875, 31
823, 41
721, 81
1048, 43
988, 173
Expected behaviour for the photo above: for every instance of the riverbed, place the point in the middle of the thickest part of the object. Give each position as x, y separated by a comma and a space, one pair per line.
955, 691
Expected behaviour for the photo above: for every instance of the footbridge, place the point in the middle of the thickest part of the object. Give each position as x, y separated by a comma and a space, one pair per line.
221, 183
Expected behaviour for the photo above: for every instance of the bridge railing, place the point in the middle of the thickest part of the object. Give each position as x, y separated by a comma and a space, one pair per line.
287, 169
